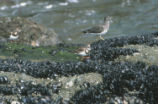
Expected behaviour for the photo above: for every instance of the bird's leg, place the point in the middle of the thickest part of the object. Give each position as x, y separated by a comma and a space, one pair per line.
101, 37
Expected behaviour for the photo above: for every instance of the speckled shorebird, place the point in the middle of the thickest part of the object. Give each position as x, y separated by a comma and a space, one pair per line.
100, 29
83, 51
15, 34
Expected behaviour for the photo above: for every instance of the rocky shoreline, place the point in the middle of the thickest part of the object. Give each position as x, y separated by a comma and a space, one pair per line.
104, 78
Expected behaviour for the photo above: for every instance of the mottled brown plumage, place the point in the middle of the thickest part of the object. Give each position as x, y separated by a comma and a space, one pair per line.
96, 29
100, 29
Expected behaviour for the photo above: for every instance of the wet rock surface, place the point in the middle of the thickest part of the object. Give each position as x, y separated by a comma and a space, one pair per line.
112, 48
70, 82
28, 32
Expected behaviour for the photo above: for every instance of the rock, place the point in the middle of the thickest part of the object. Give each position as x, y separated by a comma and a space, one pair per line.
15, 102
146, 54
4, 79
7, 2
24, 31
127, 48
99, 80
69, 84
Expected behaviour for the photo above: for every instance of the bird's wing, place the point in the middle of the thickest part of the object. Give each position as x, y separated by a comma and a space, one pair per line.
96, 29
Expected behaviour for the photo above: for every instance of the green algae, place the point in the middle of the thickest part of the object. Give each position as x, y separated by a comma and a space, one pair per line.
42, 53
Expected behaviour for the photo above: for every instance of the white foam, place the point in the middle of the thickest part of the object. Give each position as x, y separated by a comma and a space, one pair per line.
22, 4
15, 6
49, 6
63, 4
90, 12
84, 21
3, 8
73, 1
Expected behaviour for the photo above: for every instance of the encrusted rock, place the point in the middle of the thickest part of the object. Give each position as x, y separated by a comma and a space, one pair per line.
111, 82
25, 31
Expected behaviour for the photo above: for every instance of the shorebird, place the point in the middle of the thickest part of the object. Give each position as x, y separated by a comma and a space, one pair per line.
13, 36
100, 29
83, 51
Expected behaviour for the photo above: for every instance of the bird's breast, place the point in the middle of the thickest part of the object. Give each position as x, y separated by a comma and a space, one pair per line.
104, 32
12, 37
